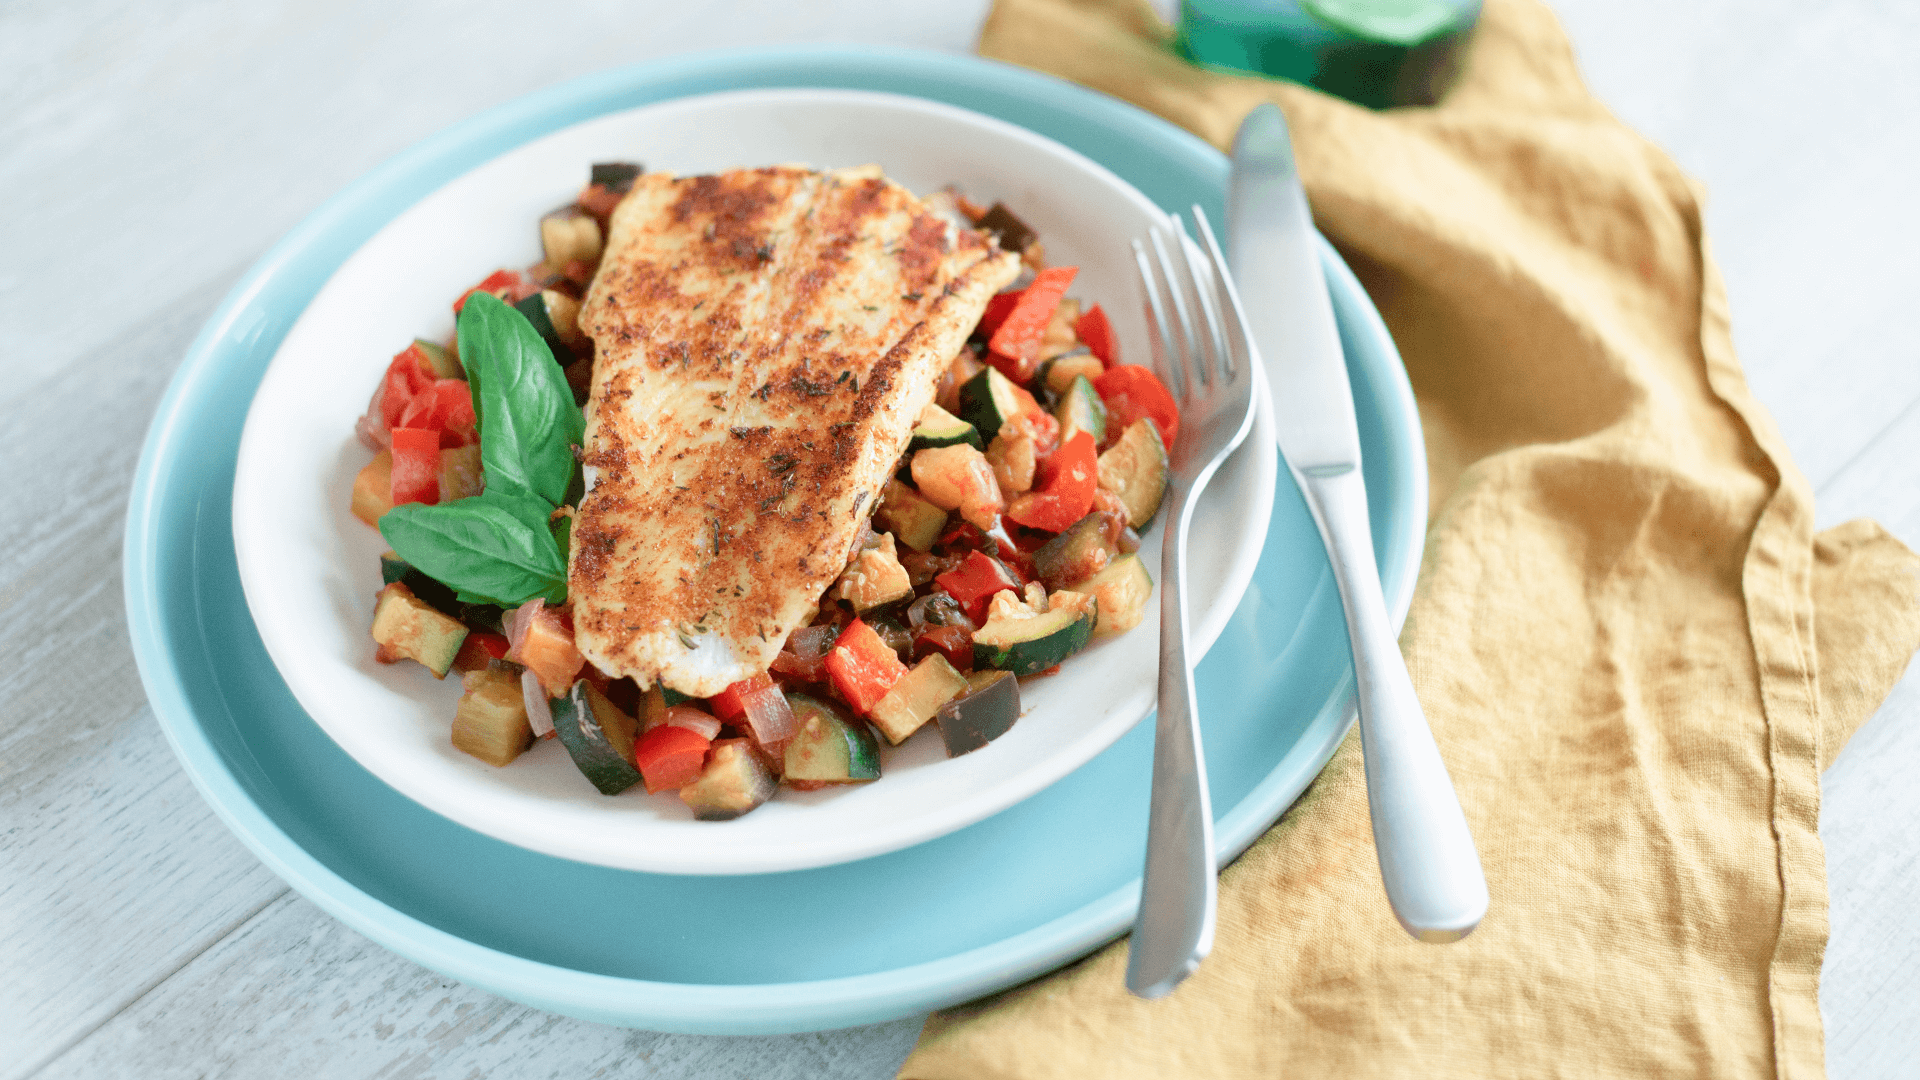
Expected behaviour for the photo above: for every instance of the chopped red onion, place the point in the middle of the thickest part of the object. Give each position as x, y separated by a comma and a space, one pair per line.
769, 717
518, 622
703, 724
539, 709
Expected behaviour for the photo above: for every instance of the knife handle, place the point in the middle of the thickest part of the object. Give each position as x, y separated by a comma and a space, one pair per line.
1427, 859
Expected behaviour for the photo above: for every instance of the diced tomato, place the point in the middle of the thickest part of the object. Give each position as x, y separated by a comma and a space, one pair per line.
416, 466
452, 412
999, 306
669, 757
478, 650
408, 375
1131, 392
599, 200
730, 702
863, 667
1096, 333
1014, 347
953, 642
975, 581
1063, 492
508, 285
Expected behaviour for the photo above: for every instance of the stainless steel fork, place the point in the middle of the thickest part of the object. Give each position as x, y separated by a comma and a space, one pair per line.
1202, 351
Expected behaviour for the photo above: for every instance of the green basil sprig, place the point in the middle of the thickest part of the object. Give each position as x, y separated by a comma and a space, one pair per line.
499, 547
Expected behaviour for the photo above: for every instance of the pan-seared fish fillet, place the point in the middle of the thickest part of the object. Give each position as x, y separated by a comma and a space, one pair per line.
765, 339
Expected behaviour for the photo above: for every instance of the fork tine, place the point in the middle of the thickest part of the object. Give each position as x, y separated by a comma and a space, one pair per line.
1164, 365
1235, 317
1193, 373
1216, 364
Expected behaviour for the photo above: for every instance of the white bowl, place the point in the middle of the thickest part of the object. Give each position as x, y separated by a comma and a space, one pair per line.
310, 568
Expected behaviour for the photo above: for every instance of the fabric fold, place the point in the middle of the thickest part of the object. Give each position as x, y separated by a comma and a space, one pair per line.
1635, 652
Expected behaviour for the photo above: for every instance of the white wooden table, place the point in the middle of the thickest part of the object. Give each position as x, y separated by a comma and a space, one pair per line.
148, 153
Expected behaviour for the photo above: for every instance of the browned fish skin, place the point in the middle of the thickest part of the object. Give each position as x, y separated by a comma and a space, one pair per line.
764, 340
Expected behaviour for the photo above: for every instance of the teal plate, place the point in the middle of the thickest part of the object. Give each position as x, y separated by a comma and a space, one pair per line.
975, 911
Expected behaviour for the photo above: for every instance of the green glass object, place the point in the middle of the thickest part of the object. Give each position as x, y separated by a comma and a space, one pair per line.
1377, 53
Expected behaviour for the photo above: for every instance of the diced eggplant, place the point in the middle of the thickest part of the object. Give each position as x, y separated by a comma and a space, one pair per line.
830, 747
492, 723
734, 782
615, 175
406, 627
569, 235
1135, 470
1083, 550
985, 712
875, 577
598, 736
913, 700
1014, 235
373, 489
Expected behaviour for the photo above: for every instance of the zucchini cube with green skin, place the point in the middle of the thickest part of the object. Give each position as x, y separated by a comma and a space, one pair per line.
734, 782
1057, 374
1120, 591
1029, 646
938, 427
1135, 471
913, 700
989, 400
906, 514
829, 747
439, 359
491, 723
1081, 410
406, 627
985, 712
598, 736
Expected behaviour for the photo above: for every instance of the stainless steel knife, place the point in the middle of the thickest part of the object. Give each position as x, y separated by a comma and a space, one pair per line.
1427, 859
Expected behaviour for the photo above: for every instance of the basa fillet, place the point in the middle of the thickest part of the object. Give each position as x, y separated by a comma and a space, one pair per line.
764, 341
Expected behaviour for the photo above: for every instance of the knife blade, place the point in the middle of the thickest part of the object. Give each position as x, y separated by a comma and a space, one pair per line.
1271, 250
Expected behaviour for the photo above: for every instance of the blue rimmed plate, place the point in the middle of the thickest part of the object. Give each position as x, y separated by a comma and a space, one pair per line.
974, 911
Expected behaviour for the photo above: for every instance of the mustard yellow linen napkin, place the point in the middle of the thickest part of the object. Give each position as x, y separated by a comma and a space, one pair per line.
1634, 650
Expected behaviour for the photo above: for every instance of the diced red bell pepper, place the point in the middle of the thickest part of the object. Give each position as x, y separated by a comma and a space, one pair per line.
999, 306
863, 667
478, 650
669, 757
508, 285
952, 642
1096, 333
974, 582
1131, 392
1014, 347
1064, 489
731, 702
416, 466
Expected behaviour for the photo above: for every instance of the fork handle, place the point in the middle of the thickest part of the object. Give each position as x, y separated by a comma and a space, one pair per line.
1174, 931
1427, 858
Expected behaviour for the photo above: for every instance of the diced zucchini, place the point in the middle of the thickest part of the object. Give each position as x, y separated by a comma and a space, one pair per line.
443, 364
916, 697
1031, 645
830, 747
569, 234
985, 712
989, 400
1135, 470
938, 427
735, 781
556, 316
1058, 373
491, 723
373, 489
408, 628
1081, 410
615, 175
1121, 591
875, 577
1083, 550
915, 521
598, 736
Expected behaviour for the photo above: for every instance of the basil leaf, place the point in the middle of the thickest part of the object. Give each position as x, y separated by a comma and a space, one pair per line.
493, 548
529, 422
